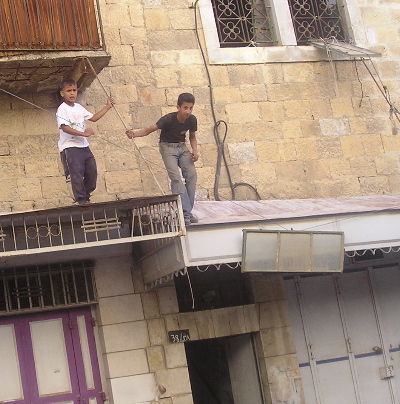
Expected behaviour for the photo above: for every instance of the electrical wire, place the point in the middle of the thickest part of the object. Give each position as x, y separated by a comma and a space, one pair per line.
221, 157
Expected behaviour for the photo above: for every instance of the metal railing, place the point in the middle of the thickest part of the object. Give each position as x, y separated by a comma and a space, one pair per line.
91, 225
49, 25
46, 287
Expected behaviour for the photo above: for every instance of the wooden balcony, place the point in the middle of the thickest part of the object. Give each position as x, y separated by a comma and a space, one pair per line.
44, 41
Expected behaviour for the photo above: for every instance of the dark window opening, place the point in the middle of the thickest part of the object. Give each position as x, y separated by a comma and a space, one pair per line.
213, 288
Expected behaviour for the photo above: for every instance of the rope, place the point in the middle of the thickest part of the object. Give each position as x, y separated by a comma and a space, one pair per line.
98, 136
85, 59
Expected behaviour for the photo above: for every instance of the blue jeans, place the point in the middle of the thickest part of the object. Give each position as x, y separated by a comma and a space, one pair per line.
178, 159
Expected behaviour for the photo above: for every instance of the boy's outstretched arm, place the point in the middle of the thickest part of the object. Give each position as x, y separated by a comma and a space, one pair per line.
141, 132
67, 129
102, 112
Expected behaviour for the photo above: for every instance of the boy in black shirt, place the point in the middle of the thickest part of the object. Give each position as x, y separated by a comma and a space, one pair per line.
175, 154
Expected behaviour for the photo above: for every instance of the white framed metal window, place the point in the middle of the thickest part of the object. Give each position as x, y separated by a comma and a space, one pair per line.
288, 25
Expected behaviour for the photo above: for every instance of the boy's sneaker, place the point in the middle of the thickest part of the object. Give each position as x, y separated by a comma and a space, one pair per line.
187, 221
193, 219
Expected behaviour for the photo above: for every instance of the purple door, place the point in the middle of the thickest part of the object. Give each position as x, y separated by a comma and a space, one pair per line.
49, 358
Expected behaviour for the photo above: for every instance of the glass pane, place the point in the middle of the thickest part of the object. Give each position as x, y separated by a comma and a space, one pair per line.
327, 254
260, 252
294, 252
87, 363
10, 379
50, 357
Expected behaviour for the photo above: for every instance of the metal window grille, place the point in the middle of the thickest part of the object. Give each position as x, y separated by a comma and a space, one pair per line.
316, 19
46, 287
243, 23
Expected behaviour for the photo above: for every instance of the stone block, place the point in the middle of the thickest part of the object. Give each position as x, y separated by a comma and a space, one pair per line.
187, 322
184, 399
123, 181
182, 18
168, 300
267, 152
164, 58
292, 129
251, 318
374, 185
387, 165
12, 123
136, 389
274, 314
241, 113
321, 109
125, 336
176, 381
120, 309
172, 322
53, 187
272, 73
287, 150
335, 127
193, 77
122, 55
226, 95
272, 111
107, 283
190, 57
157, 331
242, 153
253, 92
277, 341
374, 144
237, 320
298, 72
316, 170
336, 188
115, 15
257, 173
267, 287
150, 305
363, 166
342, 107
338, 168
127, 363
29, 188
307, 149
156, 19
290, 171
156, 358
221, 323
330, 147
46, 166
175, 356
259, 132
241, 74
281, 368
167, 76
352, 146
204, 323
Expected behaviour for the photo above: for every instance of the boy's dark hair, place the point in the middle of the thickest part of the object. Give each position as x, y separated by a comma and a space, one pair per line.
67, 82
185, 97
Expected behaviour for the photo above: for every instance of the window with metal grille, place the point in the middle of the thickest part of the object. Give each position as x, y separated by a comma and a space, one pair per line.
316, 19
47, 286
242, 23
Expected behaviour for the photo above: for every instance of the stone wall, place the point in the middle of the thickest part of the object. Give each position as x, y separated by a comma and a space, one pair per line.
295, 130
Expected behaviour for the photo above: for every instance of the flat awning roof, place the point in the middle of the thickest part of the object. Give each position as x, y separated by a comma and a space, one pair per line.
368, 222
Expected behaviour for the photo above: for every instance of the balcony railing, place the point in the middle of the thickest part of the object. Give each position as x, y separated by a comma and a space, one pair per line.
49, 25
93, 225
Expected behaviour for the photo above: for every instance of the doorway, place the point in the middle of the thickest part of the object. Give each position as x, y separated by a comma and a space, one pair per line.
224, 371
49, 358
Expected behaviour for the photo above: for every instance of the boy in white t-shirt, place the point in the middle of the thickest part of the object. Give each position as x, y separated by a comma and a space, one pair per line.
77, 158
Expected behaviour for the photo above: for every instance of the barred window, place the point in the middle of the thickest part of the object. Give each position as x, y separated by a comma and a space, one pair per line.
243, 23
46, 287
316, 19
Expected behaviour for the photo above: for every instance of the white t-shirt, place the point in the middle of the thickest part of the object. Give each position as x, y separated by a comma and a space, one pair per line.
75, 118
